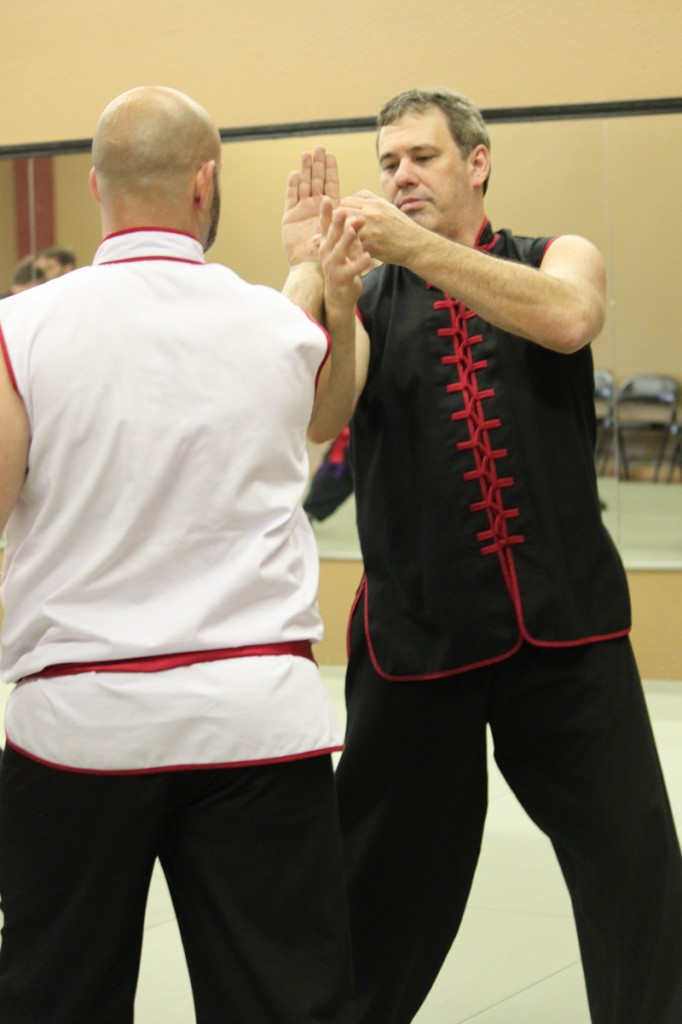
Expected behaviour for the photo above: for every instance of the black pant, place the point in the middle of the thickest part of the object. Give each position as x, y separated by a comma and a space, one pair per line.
253, 864
572, 738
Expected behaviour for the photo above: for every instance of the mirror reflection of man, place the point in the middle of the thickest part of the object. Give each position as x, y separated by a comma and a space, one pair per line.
55, 261
26, 274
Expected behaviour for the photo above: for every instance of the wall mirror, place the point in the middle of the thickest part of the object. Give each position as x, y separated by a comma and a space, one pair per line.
614, 179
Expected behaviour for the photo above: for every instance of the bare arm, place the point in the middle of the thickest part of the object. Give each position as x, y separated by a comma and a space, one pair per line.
14, 440
343, 261
560, 306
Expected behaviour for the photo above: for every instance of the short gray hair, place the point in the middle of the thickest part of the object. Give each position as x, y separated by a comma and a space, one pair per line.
463, 117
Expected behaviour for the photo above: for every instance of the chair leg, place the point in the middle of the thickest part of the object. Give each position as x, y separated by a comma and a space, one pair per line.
668, 436
675, 456
622, 468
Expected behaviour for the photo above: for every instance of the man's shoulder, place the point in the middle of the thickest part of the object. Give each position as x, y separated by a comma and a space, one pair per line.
520, 248
38, 301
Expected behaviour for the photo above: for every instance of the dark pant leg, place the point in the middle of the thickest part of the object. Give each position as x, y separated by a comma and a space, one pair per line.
76, 856
412, 785
572, 737
253, 864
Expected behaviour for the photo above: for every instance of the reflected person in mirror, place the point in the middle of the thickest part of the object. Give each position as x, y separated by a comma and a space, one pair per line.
55, 261
26, 274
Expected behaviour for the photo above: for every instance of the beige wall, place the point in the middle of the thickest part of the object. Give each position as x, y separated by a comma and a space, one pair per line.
270, 62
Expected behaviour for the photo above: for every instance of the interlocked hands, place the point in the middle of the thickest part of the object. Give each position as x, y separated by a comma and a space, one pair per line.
316, 229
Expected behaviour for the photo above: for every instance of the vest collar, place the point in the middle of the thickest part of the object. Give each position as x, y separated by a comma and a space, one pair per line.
149, 244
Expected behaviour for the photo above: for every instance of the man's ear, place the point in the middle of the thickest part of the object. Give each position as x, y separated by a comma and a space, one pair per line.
94, 187
203, 180
479, 161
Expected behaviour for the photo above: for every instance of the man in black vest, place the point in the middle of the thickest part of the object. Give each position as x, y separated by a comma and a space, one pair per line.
492, 595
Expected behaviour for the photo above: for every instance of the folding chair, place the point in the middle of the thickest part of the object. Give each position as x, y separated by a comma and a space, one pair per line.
645, 410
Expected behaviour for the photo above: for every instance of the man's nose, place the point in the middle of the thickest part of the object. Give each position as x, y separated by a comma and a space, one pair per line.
405, 173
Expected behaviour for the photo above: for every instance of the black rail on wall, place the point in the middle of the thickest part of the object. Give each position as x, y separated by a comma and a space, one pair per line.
493, 115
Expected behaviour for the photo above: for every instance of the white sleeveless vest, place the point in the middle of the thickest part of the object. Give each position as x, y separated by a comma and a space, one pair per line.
161, 514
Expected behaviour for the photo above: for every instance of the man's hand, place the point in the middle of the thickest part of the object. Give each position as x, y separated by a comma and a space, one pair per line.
317, 178
343, 261
387, 234
343, 258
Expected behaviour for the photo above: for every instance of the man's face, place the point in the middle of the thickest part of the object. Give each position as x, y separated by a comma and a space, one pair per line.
51, 267
424, 174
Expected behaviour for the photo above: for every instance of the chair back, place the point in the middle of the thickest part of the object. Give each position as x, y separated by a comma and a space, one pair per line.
646, 407
649, 397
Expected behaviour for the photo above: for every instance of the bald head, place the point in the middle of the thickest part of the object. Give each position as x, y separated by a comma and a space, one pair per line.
148, 146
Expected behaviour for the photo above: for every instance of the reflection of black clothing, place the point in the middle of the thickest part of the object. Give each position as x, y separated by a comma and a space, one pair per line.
493, 597
332, 482
484, 443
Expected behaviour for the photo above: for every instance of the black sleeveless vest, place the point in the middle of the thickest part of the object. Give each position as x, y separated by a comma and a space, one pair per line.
477, 504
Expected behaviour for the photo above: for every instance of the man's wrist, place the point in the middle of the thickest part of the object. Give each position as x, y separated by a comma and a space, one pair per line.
305, 286
306, 267
339, 307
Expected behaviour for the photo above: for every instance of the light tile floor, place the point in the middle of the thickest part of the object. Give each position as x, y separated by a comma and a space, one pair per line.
516, 958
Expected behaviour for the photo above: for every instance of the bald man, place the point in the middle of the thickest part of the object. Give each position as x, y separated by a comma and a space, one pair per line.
160, 604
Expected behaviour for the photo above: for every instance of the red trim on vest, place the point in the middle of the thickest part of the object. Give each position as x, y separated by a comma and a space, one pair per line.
149, 227
141, 259
488, 245
306, 755
148, 259
8, 361
523, 637
163, 662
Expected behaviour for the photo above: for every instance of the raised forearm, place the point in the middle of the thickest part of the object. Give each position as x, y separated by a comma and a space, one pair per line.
343, 261
337, 385
305, 286
560, 306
